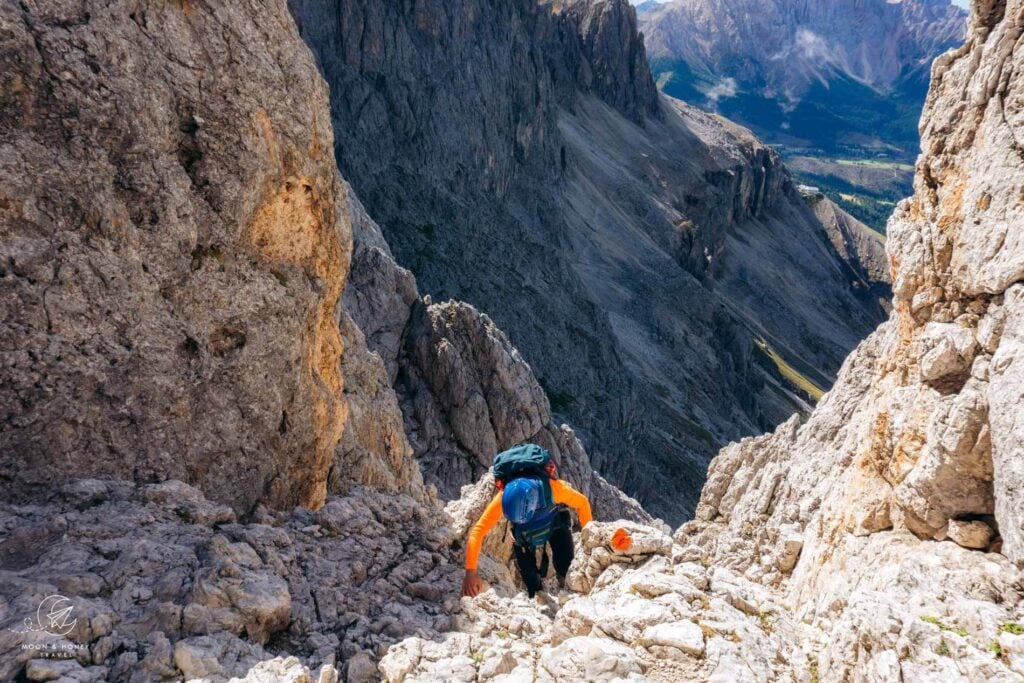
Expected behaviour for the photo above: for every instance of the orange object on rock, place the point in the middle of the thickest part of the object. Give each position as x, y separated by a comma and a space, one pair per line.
621, 540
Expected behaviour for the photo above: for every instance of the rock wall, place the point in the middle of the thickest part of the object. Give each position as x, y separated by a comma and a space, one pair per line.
609, 57
465, 392
175, 246
861, 248
921, 420
469, 395
174, 252
176, 312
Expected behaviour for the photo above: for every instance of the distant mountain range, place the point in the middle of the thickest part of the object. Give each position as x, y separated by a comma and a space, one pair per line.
837, 76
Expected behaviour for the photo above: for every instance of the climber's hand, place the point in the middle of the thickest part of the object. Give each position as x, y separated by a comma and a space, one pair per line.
472, 585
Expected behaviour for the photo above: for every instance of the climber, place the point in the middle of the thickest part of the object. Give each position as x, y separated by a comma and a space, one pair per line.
535, 502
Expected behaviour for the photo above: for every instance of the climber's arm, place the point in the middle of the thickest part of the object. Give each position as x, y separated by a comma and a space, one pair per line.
567, 495
490, 517
471, 584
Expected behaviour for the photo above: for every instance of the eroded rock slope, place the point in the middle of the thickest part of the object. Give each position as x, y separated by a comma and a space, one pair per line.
919, 516
638, 252
463, 387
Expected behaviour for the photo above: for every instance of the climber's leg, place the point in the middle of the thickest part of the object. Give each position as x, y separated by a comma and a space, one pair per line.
526, 562
561, 548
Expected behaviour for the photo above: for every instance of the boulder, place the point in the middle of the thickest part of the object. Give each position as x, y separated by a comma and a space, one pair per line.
590, 659
684, 636
974, 535
948, 349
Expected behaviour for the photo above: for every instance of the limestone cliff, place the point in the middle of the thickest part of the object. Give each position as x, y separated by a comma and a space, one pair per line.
173, 253
921, 436
922, 424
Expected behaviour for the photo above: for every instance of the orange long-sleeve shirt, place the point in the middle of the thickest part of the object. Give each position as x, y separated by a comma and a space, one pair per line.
562, 493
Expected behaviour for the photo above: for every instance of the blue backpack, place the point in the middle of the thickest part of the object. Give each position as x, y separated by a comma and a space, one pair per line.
529, 461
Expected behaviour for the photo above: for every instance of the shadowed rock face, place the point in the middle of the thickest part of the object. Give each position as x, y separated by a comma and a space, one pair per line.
173, 252
466, 393
518, 158
861, 248
173, 301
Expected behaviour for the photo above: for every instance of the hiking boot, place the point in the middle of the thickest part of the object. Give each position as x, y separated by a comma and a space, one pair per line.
547, 604
561, 581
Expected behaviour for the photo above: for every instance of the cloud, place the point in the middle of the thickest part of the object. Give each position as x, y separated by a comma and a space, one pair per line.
724, 88
812, 46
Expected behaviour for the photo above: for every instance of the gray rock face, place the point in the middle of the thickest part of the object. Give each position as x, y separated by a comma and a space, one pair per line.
173, 254
207, 346
465, 392
518, 158
161, 587
469, 395
173, 307
861, 248
614, 61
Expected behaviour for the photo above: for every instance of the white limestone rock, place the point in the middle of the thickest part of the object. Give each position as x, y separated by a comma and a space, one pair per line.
589, 659
287, 670
1011, 646
947, 348
684, 636
1007, 426
920, 438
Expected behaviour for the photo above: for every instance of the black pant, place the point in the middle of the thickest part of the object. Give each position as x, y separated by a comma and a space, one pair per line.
561, 554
